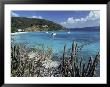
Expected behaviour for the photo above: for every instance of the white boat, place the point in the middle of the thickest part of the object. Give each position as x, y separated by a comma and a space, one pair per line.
47, 32
68, 32
53, 34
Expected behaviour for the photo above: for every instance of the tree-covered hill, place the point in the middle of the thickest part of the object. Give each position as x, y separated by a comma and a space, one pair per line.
33, 24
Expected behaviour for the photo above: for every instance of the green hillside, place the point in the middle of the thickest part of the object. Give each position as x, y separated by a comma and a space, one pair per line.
33, 24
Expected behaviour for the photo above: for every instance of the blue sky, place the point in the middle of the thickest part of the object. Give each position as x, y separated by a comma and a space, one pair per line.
69, 19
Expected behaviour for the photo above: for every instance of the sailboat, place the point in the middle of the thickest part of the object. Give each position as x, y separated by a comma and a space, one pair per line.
68, 32
47, 32
53, 34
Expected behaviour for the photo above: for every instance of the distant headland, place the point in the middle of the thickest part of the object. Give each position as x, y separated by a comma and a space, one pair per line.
23, 24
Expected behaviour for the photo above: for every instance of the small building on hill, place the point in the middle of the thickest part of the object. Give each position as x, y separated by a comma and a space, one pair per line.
45, 26
19, 30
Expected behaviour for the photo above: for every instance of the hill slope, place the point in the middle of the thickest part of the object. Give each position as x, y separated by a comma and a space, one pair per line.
33, 24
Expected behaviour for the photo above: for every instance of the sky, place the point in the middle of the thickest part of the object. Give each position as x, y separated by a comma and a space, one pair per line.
68, 19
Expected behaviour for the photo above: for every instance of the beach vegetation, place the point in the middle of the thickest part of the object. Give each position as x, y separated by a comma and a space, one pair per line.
38, 62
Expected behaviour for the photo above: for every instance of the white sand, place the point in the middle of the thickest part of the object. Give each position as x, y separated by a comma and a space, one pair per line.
18, 33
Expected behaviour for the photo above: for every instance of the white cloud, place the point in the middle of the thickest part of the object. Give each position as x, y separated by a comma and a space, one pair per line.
92, 19
14, 14
39, 17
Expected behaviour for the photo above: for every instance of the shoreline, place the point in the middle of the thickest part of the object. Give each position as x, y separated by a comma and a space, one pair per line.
18, 33
32, 31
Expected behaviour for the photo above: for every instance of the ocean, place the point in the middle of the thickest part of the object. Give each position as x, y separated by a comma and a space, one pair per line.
90, 40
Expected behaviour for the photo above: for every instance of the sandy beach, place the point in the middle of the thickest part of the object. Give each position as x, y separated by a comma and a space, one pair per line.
18, 33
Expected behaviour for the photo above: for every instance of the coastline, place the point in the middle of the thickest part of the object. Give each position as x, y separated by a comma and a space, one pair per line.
24, 32
18, 33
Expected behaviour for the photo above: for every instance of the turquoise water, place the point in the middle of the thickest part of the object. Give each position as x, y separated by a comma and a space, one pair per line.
57, 42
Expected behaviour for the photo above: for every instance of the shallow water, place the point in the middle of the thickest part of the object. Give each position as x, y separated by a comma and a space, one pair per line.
57, 42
